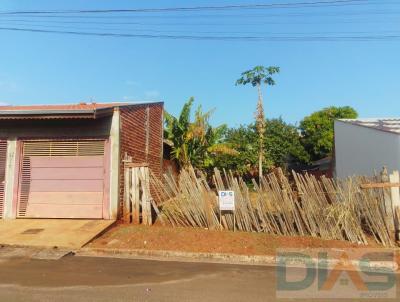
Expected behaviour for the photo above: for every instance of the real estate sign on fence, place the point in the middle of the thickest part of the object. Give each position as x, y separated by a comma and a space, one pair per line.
226, 200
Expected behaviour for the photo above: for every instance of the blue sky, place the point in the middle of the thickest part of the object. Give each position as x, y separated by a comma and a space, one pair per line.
38, 68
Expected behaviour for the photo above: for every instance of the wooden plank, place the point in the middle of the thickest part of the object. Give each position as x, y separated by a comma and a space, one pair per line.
397, 222
155, 207
144, 196
136, 165
380, 185
148, 195
395, 196
134, 193
389, 217
328, 209
395, 191
126, 210
146, 204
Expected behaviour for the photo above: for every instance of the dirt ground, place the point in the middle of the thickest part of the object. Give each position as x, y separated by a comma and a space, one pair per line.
207, 241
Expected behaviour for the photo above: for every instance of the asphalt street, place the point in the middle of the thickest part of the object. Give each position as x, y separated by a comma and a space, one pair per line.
108, 279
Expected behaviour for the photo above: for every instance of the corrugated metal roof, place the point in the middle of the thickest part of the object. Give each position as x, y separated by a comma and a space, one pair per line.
80, 110
69, 107
383, 124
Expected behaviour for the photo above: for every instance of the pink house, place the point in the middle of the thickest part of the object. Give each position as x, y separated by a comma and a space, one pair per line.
65, 161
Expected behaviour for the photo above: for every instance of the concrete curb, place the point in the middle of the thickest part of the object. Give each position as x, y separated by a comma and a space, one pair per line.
258, 260
161, 255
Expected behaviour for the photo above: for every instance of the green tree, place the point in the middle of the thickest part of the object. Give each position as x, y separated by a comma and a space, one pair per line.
244, 140
282, 148
194, 142
317, 130
258, 76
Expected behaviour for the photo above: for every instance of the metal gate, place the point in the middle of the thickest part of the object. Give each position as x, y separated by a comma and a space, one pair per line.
3, 162
62, 179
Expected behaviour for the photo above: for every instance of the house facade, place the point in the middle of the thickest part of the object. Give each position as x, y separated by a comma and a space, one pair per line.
66, 161
363, 146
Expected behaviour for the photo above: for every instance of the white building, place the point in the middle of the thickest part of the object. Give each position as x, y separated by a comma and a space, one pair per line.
363, 146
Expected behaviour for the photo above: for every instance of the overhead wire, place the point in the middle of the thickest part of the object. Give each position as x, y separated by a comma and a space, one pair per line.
196, 8
213, 38
208, 32
41, 24
196, 16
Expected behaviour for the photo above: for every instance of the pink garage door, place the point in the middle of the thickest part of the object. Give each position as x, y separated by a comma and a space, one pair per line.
62, 179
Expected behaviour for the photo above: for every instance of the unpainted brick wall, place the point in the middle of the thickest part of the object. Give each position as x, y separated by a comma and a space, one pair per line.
143, 147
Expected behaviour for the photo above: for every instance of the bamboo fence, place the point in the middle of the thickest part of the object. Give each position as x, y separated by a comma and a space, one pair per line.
304, 206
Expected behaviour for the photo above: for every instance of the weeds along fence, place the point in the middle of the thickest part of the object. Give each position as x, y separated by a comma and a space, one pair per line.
324, 208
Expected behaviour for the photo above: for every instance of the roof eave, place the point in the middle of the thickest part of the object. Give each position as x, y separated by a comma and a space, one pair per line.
45, 112
101, 112
56, 114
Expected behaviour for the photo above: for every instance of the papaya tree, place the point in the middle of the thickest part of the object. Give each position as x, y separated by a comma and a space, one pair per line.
258, 76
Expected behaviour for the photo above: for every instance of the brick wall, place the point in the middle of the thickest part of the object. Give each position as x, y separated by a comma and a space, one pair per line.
144, 146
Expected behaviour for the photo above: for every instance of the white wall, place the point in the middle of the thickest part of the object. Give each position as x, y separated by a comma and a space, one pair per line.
114, 164
360, 150
9, 212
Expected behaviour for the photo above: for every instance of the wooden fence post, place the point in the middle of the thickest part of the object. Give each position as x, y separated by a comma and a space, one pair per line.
146, 202
135, 192
395, 196
388, 207
137, 196
148, 199
126, 210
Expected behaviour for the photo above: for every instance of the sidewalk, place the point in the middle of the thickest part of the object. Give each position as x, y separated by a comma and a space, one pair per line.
199, 245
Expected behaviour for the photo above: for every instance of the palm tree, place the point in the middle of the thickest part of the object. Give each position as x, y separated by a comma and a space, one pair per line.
194, 142
256, 77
